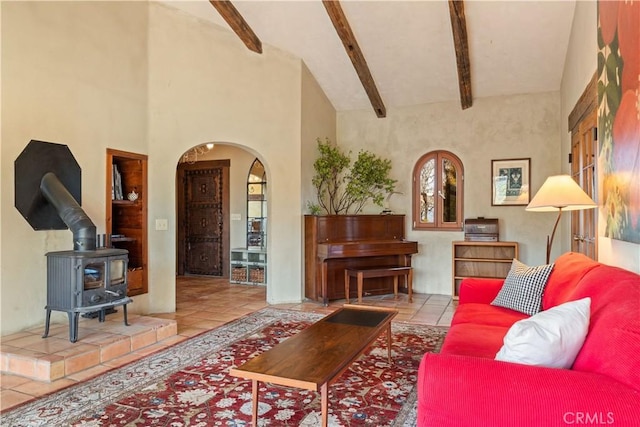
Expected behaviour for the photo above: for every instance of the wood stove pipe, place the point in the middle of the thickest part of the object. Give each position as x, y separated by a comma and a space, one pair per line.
83, 229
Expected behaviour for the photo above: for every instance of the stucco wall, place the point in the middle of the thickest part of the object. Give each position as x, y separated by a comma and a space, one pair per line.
146, 78
73, 73
318, 121
204, 85
504, 127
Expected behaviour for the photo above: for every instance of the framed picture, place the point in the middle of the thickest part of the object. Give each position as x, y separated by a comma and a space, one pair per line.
510, 182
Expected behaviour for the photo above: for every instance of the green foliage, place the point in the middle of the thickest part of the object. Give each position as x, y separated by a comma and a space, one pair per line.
314, 208
341, 186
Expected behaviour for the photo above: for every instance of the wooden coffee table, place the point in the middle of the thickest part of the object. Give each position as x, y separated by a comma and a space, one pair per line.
315, 357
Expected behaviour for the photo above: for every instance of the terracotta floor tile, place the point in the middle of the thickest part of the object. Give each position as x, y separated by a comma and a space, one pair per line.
142, 340
26, 353
77, 348
115, 349
428, 318
87, 374
132, 329
254, 307
17, 335
79, 362
150, 321
150, 349
292, 306
208, 324
207, 315
8, 381
38, 388
166, 331
187, 320
26, 341
403, 318
168, 342
54, 328
103, 338
23, 366
441, 299
50, 345
225, 316
170, 316
4, 360
121, 361
11, 398
50, 370
190, 331
184, 314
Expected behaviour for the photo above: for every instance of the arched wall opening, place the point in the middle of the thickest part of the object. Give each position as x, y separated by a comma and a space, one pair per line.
239, 159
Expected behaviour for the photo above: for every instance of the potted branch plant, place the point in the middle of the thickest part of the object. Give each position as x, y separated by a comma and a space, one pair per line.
342, 187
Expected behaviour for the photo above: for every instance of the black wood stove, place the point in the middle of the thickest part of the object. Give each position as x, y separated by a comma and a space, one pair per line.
85, 280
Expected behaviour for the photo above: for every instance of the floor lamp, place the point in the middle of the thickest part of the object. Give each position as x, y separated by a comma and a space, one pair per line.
559, 193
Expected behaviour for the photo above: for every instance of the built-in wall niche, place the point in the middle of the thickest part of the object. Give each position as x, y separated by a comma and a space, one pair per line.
126, 213
256, 206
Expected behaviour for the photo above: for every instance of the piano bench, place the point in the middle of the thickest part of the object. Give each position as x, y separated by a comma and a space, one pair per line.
365, 272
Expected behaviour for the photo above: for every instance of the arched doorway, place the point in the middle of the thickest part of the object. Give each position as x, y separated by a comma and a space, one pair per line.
240, 217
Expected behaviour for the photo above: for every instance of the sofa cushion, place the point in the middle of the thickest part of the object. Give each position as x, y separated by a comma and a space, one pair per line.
551, 338
612, 346
523, 288
569, 269
469, 339
479, 290
486, 314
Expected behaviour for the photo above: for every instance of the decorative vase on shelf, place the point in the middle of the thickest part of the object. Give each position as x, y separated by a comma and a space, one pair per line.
133, 196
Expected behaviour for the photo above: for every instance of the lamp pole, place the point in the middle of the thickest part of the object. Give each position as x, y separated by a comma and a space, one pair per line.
550, 239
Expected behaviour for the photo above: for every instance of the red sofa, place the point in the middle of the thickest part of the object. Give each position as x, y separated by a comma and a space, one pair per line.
464, 386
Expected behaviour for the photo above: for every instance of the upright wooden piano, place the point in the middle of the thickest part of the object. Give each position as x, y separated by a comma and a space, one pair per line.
336, 242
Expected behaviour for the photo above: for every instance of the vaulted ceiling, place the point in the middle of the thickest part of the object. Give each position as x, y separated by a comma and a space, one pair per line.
514, 47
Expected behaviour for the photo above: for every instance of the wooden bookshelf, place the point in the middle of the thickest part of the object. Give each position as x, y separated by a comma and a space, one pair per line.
126, 220
481, 259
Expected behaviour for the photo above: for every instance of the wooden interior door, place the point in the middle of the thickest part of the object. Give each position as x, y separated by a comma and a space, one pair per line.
203, 218
583, 123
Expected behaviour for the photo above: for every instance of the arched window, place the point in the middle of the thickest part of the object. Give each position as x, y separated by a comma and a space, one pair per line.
438, 192
256, 206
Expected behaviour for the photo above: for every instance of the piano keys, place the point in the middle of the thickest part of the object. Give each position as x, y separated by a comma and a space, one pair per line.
336, 242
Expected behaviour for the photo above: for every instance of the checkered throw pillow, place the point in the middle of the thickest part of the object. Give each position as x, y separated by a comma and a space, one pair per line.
523, 288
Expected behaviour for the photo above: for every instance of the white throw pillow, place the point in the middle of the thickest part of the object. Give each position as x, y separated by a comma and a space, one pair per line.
551, 338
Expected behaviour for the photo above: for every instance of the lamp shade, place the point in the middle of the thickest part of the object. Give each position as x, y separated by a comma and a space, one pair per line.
560, 192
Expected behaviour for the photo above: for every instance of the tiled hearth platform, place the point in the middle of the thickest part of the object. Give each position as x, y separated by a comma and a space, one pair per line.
29, 355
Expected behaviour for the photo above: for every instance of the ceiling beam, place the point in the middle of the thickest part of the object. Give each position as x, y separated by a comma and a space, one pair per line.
237, 23
353, 50
459, 27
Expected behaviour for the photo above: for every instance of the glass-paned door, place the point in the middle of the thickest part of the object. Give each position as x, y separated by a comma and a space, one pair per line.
584, 232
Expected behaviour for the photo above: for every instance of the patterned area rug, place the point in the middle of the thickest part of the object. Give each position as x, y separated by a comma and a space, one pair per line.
188, 384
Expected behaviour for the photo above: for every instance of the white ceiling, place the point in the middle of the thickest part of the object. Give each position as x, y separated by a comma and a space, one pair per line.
514, 46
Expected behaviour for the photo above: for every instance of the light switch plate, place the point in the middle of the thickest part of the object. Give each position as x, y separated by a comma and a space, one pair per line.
162, 224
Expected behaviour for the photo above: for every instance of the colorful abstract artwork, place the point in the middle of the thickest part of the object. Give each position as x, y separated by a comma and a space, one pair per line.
619, 117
